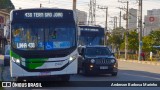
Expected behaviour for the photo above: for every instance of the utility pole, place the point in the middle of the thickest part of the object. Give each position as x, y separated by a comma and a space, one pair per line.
74, 9
40, 5
74, 5
126, 36
106, 22
120, 21
115, 18
140, 29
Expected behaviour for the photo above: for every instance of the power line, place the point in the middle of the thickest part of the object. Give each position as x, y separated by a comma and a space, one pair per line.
92, 13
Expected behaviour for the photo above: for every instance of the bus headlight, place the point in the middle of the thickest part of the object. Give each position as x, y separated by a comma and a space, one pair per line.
113, 61
71, 58
16, 60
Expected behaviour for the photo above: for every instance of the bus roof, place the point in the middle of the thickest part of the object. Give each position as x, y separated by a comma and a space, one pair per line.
41, 9
87, 26
43, 13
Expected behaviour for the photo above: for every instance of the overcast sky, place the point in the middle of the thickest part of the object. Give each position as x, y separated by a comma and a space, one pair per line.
84, 5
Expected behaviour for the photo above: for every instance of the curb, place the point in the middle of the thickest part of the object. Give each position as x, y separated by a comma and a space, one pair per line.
1, 67
142, 62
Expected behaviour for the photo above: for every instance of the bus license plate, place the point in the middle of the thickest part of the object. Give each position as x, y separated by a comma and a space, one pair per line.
45, 73
103, 67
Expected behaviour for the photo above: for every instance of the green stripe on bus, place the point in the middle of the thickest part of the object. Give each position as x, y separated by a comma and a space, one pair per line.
35, 62
14, 55
31, 63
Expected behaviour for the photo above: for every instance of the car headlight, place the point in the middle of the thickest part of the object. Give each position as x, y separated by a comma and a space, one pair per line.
92, 61
71, 58
113, 61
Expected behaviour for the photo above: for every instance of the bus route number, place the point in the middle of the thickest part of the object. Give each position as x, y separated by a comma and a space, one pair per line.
28, 14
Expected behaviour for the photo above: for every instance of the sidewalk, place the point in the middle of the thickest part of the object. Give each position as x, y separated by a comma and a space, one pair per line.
156, 63
1, 65
1, 59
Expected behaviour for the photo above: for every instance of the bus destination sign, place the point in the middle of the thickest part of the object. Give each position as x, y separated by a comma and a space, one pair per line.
89, 29
31, 15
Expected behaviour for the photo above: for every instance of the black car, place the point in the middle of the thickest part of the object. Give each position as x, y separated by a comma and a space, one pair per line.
97, 60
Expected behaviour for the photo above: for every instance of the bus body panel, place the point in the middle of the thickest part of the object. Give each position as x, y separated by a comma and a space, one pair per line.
17, 71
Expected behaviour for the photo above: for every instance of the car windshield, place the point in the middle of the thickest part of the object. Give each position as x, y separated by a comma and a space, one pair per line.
97, 51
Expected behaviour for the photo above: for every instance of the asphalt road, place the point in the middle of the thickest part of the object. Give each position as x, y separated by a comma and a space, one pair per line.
128, 71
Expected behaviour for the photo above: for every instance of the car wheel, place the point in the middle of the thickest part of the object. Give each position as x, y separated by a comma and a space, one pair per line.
20, 79
114, 74
84, 71
79, 71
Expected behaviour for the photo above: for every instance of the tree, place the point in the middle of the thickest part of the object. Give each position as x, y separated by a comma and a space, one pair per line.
116, 38
155, 35
6, 4
153, 39
147, 43
133, 41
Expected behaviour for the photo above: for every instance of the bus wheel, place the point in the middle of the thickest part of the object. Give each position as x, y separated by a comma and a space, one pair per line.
65, 78
84, 72
79, 71
20, 79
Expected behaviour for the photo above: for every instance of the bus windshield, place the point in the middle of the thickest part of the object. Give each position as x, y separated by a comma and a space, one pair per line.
91, 40
95, 51
43, 36
91, 35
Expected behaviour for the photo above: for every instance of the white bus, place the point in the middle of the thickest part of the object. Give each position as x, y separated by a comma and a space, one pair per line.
43, 43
